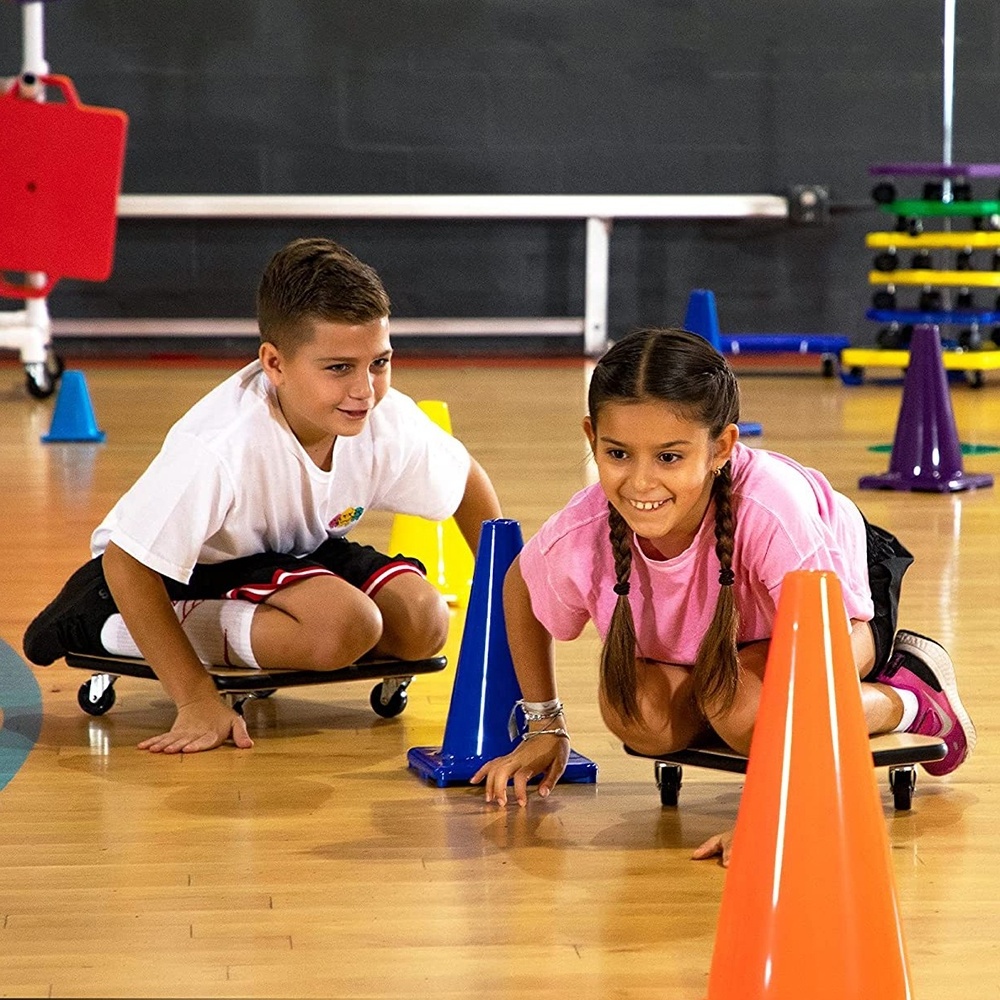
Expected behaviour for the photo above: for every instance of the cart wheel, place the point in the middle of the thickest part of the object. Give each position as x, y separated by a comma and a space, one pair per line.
38, 380
884, 193
668, 780
902, 781
887, 260
97, 695
389, 698
884, 299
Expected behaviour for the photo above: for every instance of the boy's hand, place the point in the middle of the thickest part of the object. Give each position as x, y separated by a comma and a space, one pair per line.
547, 754
721, 843
201, 725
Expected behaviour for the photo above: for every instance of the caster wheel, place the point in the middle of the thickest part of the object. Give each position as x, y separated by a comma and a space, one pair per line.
884, 300
888, 338
965, 300
970, 339
886, 261
902, 781
961, 191
921, 261
975, 379
97, 695
852, 376
386, 702
828, 366
930, 301
42, 378
884, 193
963, 260
668, 780
995, 336
913, 226
933, 191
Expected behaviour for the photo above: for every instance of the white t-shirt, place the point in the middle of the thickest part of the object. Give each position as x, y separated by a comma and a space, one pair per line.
232, 480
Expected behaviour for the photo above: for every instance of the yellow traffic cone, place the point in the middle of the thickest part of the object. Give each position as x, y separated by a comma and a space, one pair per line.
439, 545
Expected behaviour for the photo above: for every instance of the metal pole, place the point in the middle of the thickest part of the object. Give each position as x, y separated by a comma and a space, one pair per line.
949, 88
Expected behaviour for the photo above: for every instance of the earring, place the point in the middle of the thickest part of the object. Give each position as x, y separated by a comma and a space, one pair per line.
716, 473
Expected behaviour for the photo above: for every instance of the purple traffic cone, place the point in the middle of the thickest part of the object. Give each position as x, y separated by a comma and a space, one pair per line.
926, 454
486, 688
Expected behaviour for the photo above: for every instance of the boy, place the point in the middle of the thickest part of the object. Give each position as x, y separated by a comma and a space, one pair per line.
230, 547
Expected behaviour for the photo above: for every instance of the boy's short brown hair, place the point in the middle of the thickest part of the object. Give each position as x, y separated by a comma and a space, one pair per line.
310, 279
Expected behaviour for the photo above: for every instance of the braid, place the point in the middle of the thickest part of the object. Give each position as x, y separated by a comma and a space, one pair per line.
716, 669
618, 676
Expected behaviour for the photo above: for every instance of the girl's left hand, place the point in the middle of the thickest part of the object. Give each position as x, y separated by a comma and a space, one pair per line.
720, 844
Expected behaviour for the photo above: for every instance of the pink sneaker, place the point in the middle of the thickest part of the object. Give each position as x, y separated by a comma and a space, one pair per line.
921, 665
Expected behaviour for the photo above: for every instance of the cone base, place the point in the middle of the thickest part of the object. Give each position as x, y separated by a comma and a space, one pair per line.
949, 484
447, 769
96, 438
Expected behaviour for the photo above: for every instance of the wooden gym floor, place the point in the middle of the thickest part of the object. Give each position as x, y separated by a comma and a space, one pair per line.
317, 865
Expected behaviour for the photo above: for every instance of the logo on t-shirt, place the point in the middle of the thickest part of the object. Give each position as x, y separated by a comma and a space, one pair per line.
347, 517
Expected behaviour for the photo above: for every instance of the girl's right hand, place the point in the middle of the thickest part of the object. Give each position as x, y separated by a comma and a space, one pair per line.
540, 755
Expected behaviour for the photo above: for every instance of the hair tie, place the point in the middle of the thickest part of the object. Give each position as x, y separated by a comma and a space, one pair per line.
621, 589
726, 577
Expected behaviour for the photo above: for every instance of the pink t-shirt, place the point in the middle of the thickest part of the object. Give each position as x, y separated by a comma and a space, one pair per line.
787, 517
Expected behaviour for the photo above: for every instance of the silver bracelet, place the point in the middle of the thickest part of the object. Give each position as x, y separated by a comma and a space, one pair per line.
534, 711
561, 733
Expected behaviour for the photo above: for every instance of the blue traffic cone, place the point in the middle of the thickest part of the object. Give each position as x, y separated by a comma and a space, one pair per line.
702, 318
73, 416
486, 688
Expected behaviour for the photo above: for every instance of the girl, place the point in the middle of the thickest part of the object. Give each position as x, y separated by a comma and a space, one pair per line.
677, 555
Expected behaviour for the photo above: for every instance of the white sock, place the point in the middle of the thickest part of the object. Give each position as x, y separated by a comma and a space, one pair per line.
219, 631
910, 706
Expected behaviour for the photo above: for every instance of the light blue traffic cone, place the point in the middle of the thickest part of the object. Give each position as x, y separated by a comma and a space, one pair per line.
486, 688
73, 417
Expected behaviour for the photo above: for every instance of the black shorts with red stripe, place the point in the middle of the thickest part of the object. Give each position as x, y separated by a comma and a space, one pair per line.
255, 578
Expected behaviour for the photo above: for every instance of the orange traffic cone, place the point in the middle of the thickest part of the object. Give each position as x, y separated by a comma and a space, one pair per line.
809, 907
439, 545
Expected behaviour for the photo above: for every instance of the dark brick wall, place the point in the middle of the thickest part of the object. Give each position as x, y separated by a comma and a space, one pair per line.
506, 96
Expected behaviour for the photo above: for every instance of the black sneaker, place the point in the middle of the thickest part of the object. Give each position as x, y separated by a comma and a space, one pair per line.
73, 621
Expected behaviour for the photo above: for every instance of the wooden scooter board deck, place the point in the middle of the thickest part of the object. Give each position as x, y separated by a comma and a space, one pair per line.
969, 240
922, 207
951, 279
889, 750
236, 680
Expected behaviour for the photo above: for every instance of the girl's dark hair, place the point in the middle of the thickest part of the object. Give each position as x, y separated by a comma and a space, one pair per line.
683, 370
310, 279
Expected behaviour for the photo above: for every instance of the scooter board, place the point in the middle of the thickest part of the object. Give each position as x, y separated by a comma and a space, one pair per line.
935, 317
935, 169
897, 751
970, 240
920, 206
96, 696
929, 276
